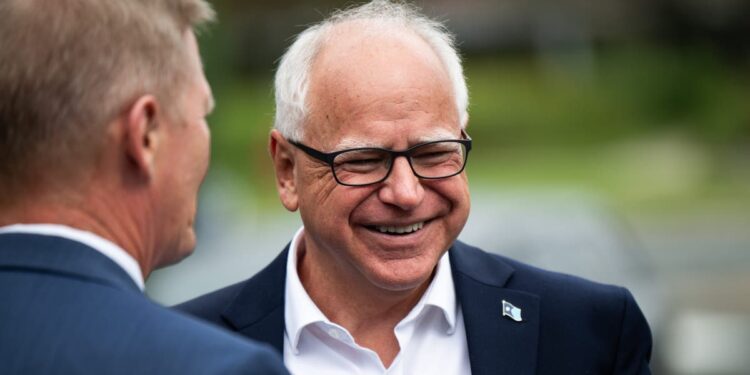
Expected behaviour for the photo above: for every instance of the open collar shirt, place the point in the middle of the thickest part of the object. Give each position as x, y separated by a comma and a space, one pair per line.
432, 337
103, 246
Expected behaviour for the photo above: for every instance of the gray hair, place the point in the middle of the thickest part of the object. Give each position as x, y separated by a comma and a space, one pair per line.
293, 75
68, 67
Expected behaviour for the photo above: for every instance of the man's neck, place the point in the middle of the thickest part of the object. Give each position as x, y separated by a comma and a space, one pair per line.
368, 312
79, 215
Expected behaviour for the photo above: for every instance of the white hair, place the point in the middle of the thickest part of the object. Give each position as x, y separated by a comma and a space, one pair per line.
293, 75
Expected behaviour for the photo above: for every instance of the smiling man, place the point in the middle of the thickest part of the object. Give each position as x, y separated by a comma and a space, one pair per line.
369, 145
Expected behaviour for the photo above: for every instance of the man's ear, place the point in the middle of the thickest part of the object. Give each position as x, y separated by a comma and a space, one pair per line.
141, 134
283, 164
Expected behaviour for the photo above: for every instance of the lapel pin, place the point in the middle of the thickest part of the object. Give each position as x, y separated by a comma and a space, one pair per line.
511, 311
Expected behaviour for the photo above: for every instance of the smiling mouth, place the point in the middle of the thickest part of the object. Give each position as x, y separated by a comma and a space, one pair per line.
398, 230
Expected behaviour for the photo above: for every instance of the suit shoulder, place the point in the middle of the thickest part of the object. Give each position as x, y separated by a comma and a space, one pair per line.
599, 316
114, 331
199, 347
522, 276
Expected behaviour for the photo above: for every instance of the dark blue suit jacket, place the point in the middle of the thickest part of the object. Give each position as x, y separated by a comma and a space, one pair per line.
570, 325
67, 309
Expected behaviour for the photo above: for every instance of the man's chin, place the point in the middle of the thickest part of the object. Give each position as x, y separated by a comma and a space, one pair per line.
184, 247
400, 282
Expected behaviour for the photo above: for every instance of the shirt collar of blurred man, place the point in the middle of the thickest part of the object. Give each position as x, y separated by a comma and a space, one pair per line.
104, 246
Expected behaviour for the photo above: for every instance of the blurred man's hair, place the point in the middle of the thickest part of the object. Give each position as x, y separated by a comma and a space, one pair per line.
293, 74
68, 67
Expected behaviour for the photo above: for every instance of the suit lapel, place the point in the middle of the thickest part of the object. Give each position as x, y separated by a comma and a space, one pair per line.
258, 310
497, 343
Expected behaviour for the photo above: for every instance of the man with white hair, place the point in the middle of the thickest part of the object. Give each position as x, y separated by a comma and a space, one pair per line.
370, 146
103, 145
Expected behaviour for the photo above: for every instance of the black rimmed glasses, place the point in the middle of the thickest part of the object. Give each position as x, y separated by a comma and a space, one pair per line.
371, 165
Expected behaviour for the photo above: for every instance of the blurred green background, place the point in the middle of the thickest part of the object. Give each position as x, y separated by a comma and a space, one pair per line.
655, 116
644, 105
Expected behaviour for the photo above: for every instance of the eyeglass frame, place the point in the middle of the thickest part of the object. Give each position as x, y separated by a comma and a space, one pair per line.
328, 157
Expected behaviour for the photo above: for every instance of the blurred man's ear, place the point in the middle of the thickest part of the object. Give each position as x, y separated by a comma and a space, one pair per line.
141, 135
283, 164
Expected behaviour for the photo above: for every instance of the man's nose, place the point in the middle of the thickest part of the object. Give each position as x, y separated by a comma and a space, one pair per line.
402, 188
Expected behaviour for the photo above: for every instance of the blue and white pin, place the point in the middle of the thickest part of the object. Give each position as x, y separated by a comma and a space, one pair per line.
511, 311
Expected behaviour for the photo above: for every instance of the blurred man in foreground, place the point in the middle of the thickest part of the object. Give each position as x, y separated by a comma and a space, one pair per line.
369, 145
103, 145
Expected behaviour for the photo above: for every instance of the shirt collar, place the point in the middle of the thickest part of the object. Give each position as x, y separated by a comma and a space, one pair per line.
96, 242
441, 293
300, 310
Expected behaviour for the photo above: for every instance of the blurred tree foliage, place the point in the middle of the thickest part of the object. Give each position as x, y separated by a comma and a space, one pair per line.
628, 92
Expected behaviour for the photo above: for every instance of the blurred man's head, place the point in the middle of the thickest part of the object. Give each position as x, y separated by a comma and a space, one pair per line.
378, 76
102, 104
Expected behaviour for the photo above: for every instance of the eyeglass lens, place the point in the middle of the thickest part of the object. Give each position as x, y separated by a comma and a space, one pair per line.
431, 160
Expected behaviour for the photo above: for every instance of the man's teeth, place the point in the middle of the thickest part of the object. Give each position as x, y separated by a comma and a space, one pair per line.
401, 230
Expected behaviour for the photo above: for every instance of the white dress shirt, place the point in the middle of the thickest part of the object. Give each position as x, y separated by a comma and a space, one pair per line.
104, 246
432, 337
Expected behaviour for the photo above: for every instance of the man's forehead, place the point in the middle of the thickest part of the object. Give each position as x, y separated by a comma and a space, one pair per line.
370, 55
435, 134
358, 90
